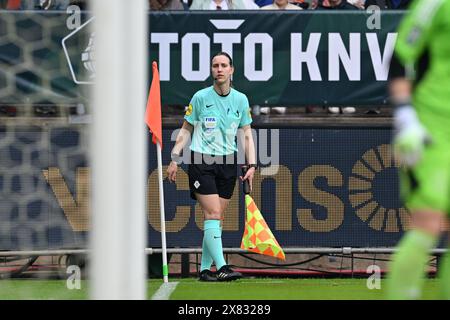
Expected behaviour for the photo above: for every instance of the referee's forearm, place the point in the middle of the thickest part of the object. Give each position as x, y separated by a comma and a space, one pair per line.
250, 153
183, 138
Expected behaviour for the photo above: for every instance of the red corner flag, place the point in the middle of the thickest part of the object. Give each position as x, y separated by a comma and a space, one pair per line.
153, 111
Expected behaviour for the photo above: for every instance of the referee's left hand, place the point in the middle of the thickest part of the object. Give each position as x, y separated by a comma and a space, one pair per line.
249, 176
172, 171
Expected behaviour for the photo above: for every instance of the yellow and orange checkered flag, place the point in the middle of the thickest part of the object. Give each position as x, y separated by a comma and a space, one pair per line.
257, 235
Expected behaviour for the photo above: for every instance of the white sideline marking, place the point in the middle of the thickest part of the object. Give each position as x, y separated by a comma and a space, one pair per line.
164, 291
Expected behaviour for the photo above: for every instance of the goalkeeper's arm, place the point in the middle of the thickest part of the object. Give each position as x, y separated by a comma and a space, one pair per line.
409, 134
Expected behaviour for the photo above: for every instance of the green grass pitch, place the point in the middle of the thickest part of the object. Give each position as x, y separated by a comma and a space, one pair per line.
191, 289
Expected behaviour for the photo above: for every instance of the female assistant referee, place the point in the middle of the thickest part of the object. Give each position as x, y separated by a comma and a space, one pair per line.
213, 118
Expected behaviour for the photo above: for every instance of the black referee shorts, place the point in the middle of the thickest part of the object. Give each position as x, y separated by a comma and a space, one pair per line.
212, 175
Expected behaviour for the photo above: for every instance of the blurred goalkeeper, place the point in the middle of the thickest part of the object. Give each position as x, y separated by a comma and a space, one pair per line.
213, 118
421, 96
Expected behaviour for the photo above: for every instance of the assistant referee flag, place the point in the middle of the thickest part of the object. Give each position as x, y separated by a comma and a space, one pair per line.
153, 111
257, 235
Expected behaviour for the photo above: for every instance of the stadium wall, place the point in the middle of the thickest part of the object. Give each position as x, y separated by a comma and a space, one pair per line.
333, 187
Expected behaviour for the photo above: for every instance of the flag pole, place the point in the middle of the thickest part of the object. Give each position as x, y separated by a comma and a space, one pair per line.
153, 120
165, 267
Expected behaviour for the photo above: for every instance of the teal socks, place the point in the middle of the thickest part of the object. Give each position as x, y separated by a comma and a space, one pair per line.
212, 245
206, 257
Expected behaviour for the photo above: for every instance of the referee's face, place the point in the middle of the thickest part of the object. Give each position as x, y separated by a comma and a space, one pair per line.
221, 69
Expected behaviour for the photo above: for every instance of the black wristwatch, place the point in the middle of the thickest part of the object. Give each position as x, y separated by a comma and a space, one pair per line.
252, 166
176, 158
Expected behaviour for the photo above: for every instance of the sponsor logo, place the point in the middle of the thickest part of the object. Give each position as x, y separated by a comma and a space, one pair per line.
81, 64
189, 110
210, 122
377, 164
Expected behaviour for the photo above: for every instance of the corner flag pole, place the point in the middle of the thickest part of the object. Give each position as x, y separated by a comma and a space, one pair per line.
165, 267
154, 121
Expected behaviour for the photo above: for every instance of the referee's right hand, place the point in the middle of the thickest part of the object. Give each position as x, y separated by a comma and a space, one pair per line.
172, 171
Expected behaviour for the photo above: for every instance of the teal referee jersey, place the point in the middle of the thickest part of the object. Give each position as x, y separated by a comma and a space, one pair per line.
216, 120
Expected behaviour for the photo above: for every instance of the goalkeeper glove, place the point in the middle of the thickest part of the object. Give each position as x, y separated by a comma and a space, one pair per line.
410, 136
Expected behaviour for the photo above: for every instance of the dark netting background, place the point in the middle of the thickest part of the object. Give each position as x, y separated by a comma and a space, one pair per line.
44, 189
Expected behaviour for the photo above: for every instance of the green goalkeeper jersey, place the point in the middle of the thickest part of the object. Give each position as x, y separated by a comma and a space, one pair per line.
425, 29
